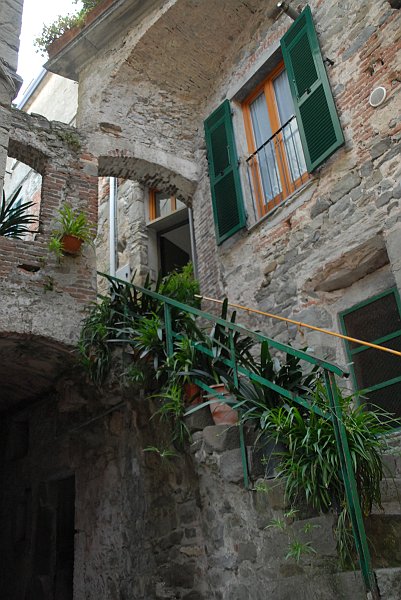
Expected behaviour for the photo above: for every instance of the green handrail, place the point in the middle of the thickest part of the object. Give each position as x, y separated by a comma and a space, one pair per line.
330, 370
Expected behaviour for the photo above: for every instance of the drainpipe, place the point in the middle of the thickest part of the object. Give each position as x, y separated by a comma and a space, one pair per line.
192, 237
113, 225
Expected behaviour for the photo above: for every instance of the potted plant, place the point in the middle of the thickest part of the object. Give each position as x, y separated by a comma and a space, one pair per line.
73, 230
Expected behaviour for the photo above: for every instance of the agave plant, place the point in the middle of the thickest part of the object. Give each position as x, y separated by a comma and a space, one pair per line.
15, 220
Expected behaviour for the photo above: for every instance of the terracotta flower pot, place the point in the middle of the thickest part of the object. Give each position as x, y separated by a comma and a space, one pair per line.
192, 394
71, 244
222, 413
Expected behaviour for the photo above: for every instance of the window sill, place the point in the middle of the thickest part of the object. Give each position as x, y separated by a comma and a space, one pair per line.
287, 207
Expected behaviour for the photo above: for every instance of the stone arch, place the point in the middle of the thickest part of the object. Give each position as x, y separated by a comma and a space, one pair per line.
149, 174
30, 366
28, 154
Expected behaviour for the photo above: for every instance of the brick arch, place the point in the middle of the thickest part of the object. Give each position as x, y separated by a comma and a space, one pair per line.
28, 154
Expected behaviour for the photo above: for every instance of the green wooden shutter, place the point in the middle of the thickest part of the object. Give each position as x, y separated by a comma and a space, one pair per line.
228, 207
316, 113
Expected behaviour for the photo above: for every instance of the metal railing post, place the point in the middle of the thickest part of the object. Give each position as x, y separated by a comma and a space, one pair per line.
351, 491
169, 329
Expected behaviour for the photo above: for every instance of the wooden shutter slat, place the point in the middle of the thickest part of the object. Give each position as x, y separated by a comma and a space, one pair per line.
228, 208
318, 122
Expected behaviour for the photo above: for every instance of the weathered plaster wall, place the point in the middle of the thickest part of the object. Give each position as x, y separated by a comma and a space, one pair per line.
56, 99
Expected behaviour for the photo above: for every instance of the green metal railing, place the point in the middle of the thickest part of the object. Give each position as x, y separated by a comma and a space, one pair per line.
334, 413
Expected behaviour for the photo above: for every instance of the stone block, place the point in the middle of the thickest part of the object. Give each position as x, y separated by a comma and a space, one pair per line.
383, 199
247, 551
220, 438
380, 147
231, 466
389, 583
198, 420
321, 205
194, 595
397, 191
384, 531
239, 592
344, 186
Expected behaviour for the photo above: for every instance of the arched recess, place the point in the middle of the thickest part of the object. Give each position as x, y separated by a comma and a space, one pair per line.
30, 367
149, 174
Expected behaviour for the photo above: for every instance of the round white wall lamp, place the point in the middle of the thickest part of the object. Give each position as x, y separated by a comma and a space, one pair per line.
377, 96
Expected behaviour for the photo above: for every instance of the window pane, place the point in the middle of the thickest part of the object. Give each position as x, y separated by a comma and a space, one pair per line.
180, 204
284, 101
292, 141
375, 366
266, 156
374, 320
388, 399
162, 204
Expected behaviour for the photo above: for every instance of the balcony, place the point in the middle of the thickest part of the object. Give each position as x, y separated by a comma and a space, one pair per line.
277, 168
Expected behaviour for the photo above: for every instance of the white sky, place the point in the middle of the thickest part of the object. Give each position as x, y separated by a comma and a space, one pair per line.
36, 13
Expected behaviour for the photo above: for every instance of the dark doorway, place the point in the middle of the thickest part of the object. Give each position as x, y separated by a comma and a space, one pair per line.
65, 528
174, 248
53, 564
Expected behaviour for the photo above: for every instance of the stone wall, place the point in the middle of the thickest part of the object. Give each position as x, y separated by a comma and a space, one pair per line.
136, 531
147, 526
56, 292
348, 213
275, 263
10, 82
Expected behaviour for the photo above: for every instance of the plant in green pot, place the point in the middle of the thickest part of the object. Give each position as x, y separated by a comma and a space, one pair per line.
73, 229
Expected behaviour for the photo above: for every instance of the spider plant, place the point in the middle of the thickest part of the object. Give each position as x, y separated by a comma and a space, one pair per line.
311, 463
15, 220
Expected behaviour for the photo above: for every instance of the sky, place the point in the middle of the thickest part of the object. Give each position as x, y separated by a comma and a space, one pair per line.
36, 13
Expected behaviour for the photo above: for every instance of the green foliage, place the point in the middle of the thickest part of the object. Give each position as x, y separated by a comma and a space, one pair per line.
172, 409
52, 32
71, 139
70, 222
55, 245
14, 220
93, 346
256, 399
310, 460
311, 463
135, 321
164, 453
297, 548
74, 222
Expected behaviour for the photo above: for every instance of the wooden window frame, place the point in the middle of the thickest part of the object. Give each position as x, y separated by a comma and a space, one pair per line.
152, 204
282, 164
352, 351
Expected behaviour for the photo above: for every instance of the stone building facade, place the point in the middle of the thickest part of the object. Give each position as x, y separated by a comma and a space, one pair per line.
86, 512
150, 128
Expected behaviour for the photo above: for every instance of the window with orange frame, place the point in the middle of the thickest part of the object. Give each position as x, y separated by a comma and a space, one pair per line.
276, 164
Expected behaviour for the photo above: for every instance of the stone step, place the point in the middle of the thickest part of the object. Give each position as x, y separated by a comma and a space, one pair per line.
391, 497
389, 583
327, 586
392, 463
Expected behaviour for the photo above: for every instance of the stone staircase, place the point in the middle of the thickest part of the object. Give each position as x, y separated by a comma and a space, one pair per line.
253, 548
